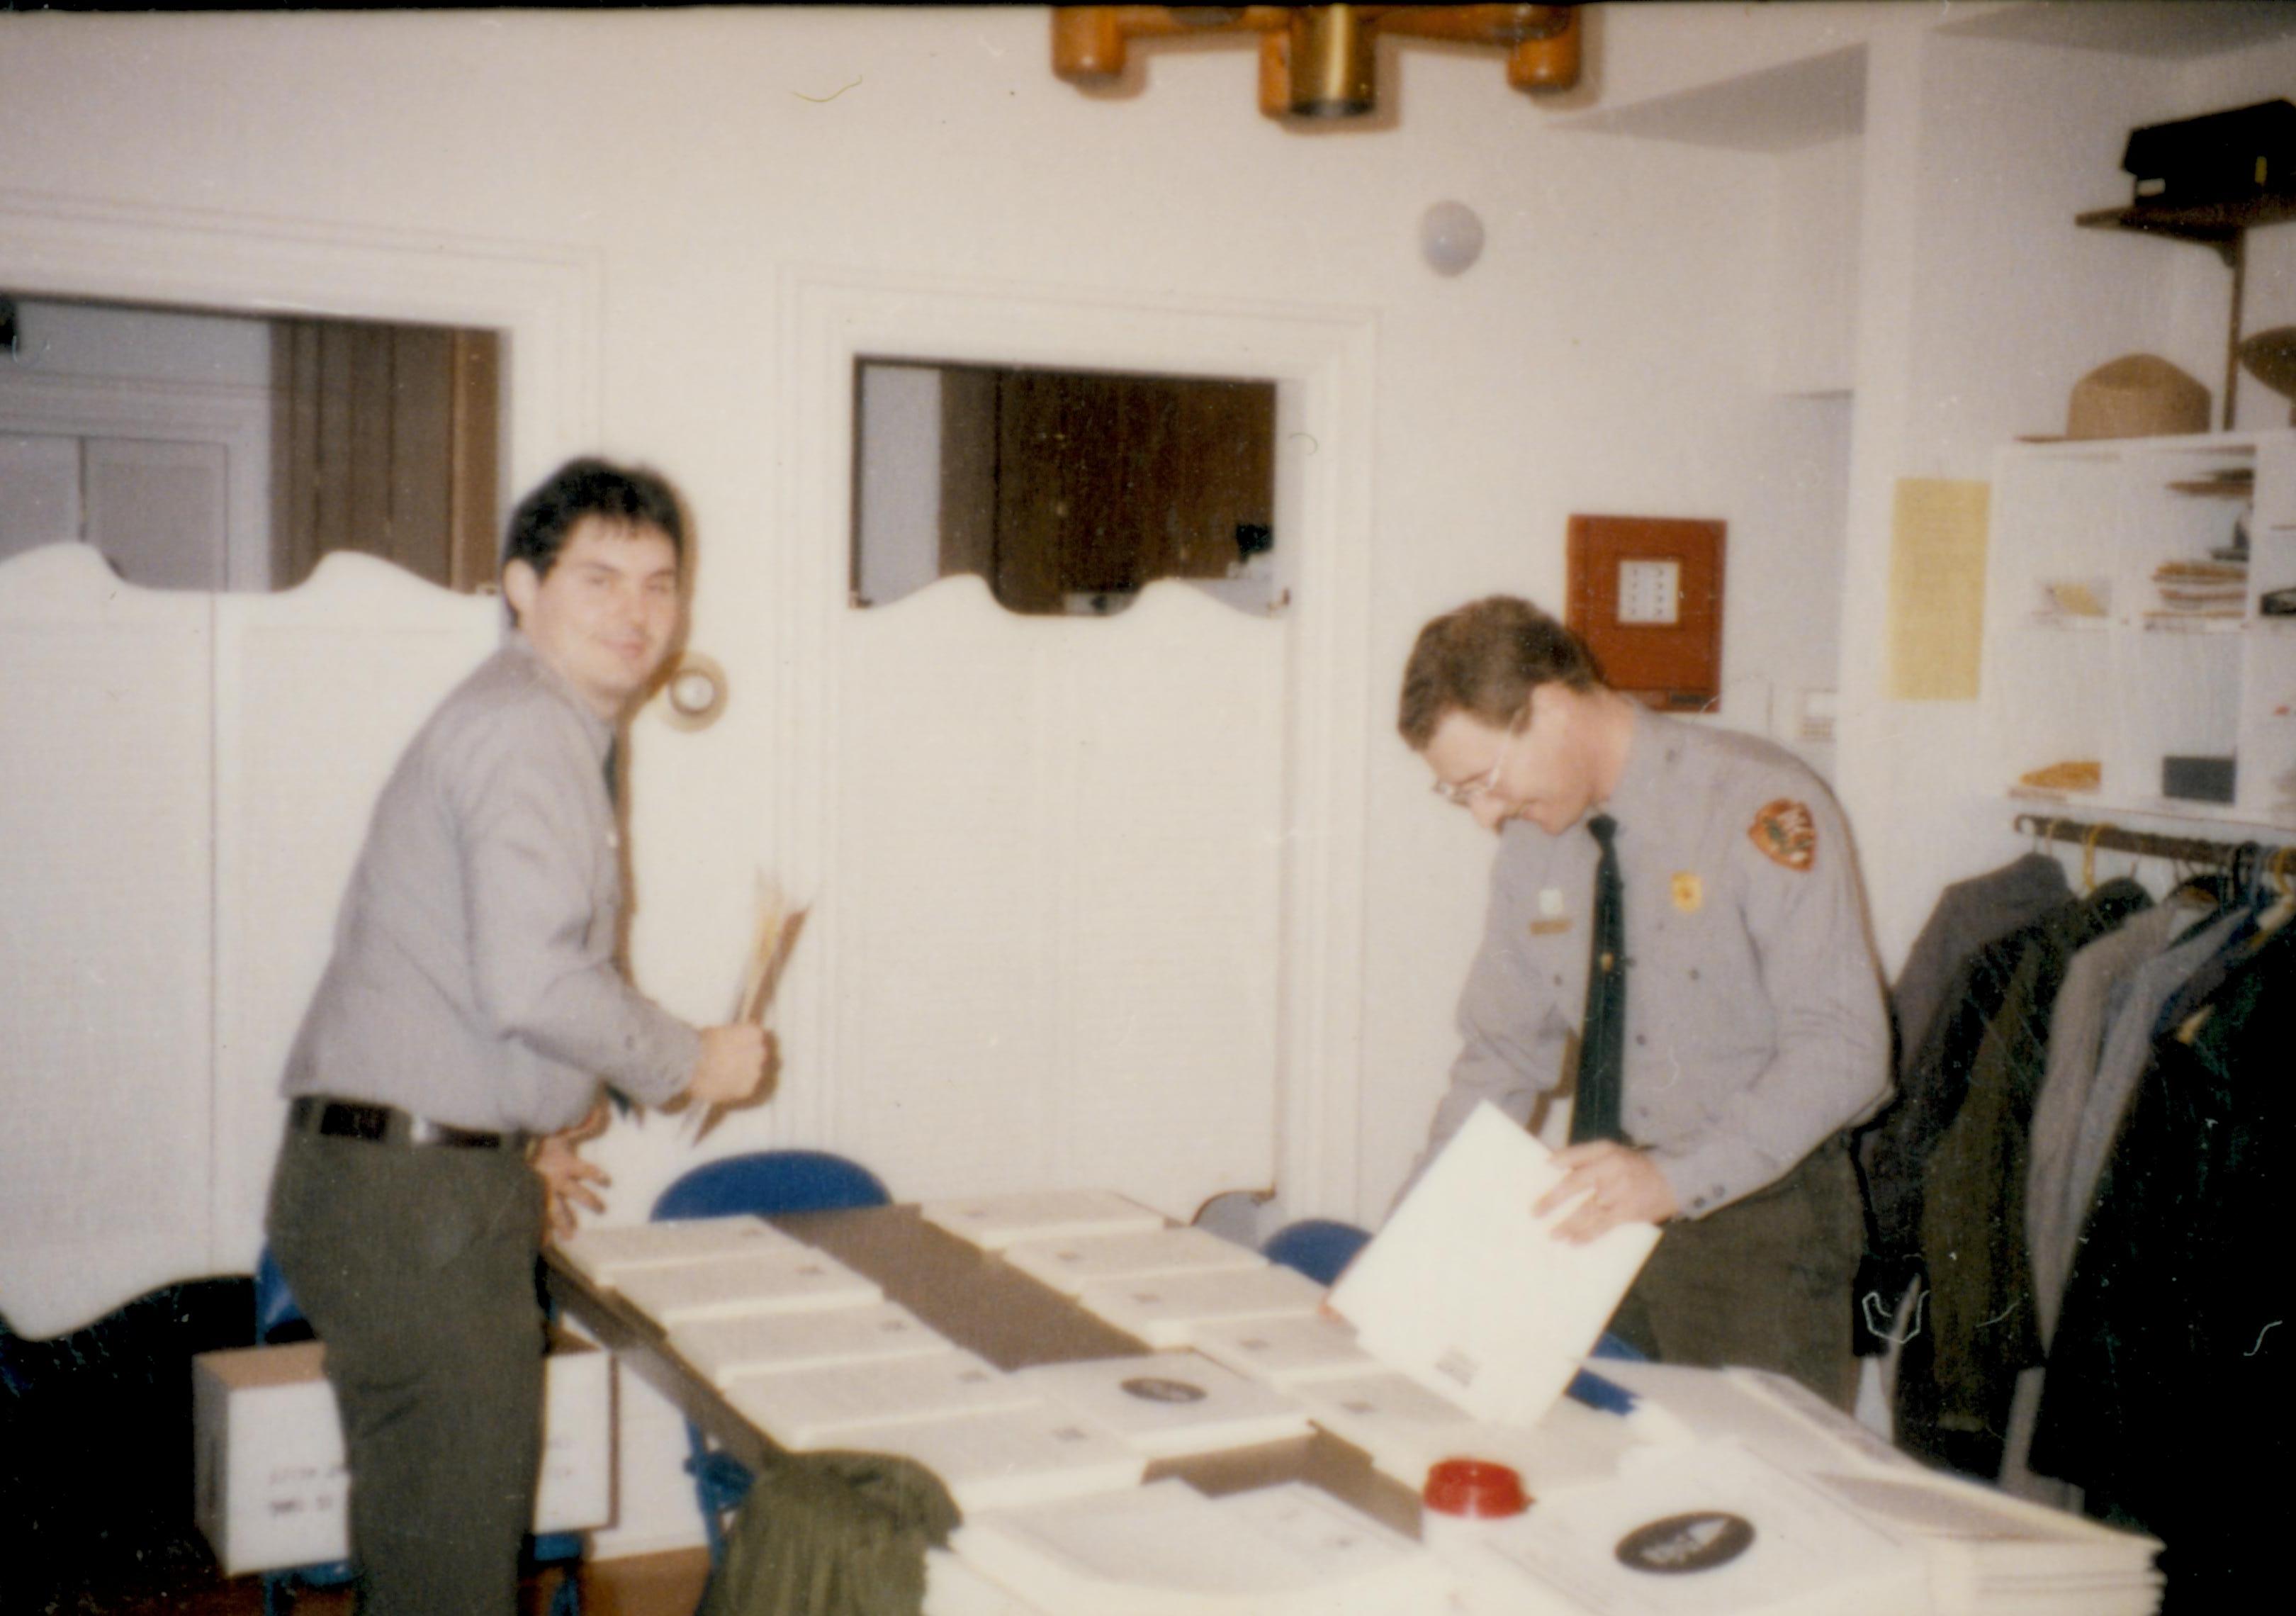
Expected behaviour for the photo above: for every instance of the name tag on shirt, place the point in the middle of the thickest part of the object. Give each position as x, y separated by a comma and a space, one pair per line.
1553, 914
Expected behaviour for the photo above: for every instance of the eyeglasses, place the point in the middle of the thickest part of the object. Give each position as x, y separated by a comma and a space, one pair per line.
1464, 796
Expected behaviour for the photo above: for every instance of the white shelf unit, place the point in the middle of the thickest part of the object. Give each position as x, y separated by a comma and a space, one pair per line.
2089, 660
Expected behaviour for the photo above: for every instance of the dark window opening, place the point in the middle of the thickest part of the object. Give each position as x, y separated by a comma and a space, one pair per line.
1067, 491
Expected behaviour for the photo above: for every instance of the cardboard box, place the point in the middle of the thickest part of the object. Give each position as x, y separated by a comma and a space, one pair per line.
268, 1475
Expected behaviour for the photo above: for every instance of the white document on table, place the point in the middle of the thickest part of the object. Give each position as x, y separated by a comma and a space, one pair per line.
1169, 1403
1012, 1455
1468, 1293
1289, 1550
1709, 1531
993, 1222
604, 1255
1069, 1265
1165, 1311
830, 1406
797, 1281
760, 1344
1286, 1351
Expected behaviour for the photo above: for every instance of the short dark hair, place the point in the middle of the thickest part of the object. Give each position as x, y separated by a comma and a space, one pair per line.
590, 487
1484, 659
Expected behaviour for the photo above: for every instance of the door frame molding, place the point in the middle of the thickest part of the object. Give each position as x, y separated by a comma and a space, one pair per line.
545, 300
1323, 360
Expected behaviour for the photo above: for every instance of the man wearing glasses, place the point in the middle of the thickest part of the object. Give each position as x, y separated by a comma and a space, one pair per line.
1721, 1004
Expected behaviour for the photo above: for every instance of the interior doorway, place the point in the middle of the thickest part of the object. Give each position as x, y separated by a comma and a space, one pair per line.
223, 452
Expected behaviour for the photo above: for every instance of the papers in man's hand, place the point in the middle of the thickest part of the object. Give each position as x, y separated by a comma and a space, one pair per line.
1169, 1403
604, 1256
1166, 1311
1012, 1455
794, 1281
1069, 1265
1466, 1292
838, 1406
1164, 1548
761, 1343
993, 1222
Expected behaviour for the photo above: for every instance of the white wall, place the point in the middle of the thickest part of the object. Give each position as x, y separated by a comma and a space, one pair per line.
1603, 355
1981, 305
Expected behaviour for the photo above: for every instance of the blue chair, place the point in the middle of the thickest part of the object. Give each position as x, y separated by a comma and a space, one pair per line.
765, 1183
1321, 1248
278, 1320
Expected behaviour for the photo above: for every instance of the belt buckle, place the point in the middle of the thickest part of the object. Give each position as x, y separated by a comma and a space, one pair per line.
423, 1130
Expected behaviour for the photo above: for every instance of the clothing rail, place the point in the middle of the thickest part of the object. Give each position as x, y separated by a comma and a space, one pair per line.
2242, 860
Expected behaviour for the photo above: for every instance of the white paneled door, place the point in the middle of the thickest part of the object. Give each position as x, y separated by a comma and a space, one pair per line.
1056, 860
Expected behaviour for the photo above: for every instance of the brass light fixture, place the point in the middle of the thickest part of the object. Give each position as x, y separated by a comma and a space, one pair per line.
1321, 62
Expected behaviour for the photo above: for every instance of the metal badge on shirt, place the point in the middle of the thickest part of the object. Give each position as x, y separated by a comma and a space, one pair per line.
1553, 913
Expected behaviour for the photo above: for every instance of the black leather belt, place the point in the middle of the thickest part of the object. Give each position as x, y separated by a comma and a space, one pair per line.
389, 1125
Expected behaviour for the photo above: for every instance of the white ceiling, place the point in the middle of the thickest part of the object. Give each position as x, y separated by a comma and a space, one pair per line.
2175, 31
1801, 103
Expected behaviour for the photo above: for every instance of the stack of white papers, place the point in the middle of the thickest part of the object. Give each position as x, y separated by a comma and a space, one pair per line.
758, 1343
1013, 1455
1991, 1554
1165, 1548
1691, 1532
836, 1406
604, 1255
1069, 1265
1286, 1351
1466, 1292
953, 1588
1771, 1415
795, 1281
1166, 1312
994, 1222
1170, 1403
1986, 1552
1402, 1425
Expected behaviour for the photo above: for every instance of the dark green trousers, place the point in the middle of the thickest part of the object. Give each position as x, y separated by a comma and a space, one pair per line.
1764, 1282
415, 1266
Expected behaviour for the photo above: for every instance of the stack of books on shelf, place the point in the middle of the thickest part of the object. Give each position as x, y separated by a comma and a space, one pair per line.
2196, 591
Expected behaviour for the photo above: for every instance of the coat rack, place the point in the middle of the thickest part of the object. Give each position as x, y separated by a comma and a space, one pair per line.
2243, 861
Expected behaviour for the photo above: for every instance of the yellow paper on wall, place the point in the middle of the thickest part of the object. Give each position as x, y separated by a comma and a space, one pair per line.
1936, 589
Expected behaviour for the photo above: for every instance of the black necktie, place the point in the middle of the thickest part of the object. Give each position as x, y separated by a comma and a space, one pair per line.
1602, 1035
614, 767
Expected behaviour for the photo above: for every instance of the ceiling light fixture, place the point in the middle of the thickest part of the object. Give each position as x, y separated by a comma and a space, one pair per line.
1321, 62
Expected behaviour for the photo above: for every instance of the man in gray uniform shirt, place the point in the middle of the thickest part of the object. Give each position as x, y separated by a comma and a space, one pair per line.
471, 1006
1754, 1030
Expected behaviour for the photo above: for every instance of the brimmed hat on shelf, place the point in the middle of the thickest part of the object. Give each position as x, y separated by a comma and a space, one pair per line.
2136, 395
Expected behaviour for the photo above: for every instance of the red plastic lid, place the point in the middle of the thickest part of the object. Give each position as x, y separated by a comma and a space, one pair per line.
1479, 1487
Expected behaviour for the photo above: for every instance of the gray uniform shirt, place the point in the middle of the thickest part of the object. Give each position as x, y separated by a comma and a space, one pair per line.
1755, 1020
474, 978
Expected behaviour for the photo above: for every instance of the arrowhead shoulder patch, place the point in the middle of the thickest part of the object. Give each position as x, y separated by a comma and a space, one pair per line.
1786, 833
